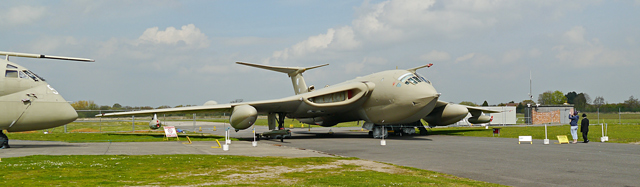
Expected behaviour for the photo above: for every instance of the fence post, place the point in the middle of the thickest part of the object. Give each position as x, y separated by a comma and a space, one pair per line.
133, 123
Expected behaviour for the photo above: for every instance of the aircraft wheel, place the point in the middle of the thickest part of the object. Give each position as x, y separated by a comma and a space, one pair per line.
379, 133
423, 131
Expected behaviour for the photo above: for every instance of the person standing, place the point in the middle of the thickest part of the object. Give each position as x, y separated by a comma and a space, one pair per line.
584, 127
574, 126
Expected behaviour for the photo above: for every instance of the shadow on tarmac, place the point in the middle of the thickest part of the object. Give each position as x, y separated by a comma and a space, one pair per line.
27, 146
453, 132
343, 135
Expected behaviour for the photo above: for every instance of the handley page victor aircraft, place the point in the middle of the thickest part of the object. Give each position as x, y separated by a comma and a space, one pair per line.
392, 100
27, 102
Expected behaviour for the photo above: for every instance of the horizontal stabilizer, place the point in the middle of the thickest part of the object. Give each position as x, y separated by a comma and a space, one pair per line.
299, 85
288, 70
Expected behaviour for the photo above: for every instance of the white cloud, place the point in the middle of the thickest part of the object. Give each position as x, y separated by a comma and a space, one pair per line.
22, 15
512, 56
436, 56
52, 43
338, 39
465, 57
579, 52
535, 53
358, 67
396, 23
188, 34
575, 35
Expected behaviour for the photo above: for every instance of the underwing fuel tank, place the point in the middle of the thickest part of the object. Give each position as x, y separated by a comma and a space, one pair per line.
155, 123
243, 117
446, 115
480, 119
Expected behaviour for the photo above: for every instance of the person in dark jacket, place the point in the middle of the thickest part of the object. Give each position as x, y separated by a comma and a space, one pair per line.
584, 127
574, 126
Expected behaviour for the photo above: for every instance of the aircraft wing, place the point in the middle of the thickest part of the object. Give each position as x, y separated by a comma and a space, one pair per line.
448, 113
277, 105
475, 111
297, 105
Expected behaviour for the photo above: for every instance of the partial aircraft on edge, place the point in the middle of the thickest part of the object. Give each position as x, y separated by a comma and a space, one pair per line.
389, 100
27, 101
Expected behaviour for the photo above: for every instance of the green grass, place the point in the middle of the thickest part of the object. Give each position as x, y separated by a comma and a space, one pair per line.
105, 126
617, 133
213, 170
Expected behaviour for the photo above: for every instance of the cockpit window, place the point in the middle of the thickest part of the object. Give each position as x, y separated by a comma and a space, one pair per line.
33, 75
11, 73
410, 78
23, 75
422, 78
9, 66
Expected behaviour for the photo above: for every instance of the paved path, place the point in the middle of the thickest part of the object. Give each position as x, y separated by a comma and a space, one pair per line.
496, 160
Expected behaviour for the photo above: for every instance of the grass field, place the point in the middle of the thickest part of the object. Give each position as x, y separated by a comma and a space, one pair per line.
210, 170
111, 131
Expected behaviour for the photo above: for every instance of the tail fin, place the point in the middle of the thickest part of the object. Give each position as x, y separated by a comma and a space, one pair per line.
299, 86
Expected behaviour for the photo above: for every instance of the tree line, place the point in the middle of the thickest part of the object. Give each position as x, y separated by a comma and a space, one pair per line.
581, 101
87, 109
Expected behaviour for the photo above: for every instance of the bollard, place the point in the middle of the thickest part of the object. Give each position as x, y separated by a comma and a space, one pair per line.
225, 147
546, 140
383, 142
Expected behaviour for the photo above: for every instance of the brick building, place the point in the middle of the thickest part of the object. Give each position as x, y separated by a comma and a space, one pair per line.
548, 114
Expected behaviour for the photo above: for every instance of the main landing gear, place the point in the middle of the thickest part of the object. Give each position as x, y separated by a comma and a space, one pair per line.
4, 140
280, 132
382, 131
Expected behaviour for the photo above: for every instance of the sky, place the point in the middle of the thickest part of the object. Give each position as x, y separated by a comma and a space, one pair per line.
163, 52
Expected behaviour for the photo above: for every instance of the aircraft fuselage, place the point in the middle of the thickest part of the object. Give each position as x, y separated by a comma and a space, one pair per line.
398, 97
28, 102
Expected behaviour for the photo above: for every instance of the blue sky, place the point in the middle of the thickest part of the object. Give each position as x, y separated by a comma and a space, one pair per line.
161, 52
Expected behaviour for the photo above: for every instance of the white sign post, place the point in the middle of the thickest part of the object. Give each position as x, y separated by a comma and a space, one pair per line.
383, 142
225, 147
254, 143
546, 140
604, 137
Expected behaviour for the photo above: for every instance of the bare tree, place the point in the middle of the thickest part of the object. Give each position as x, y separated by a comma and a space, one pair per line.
599, 101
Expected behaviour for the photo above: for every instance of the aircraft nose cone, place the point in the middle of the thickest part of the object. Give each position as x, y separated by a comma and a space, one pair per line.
67, 115
426, 95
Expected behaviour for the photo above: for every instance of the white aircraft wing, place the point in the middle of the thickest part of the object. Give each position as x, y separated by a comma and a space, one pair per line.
298, 105
277, 105
473, 110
